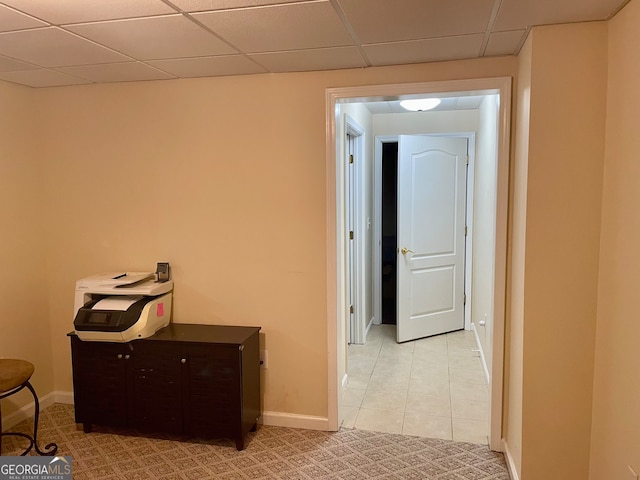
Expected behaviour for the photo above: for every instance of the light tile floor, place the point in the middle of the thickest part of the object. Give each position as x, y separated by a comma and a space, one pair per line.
433, 387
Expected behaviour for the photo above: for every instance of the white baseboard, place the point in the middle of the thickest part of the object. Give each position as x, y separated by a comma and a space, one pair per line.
511, 466
484, 361
291, 420
28, 410
369, 325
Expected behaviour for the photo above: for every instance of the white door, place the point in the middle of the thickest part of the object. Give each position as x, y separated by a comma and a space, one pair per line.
432, 174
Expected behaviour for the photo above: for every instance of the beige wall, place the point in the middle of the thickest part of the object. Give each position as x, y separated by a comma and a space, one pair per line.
224, 178
615, 434
24, 322
556, 250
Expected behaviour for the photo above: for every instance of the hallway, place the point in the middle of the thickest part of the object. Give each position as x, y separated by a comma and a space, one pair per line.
433, 387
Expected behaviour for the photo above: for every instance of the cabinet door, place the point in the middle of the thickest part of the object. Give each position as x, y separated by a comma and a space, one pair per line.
99, 382
212, 390
155, 403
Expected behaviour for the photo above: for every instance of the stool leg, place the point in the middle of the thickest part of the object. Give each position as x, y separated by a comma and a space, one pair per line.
51, 448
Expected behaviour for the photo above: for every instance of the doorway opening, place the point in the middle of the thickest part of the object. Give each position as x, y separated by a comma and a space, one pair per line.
389, 208
338, 307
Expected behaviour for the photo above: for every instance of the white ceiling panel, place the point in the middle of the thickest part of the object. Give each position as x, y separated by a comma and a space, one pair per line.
202, 5
281, 27
387, 21
471, 102
9, 64
154, 38
116, 72
53, 47
148, 39
518, 14
11, 19
209, 66
430, 50
466, 102
504, 43
317, 59
61, 12
41, 78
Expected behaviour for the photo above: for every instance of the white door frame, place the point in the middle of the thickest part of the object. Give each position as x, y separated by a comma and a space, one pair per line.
335, 203
377, 212
357, 329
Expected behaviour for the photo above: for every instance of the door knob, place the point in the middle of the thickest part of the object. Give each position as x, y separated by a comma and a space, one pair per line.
406, 250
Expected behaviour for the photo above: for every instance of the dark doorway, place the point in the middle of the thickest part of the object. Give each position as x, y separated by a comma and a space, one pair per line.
389, 230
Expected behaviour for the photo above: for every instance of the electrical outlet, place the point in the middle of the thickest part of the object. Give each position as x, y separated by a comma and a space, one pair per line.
633, 475
264, 359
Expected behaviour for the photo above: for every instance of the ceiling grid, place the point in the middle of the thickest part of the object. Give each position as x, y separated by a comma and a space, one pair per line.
71, 42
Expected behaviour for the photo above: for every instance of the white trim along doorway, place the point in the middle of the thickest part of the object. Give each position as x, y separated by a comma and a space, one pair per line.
337, 230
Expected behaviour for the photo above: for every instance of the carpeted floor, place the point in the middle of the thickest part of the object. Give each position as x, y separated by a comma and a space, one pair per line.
270, 453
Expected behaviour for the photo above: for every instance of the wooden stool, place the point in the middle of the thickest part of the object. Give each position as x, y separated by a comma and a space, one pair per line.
14, 376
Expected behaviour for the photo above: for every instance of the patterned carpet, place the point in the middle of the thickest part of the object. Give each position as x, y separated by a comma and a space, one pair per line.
270, 453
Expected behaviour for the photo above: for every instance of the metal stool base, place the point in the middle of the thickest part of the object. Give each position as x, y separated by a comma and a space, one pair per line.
51, 448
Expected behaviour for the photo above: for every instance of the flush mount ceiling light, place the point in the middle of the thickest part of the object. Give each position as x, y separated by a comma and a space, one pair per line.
420, 104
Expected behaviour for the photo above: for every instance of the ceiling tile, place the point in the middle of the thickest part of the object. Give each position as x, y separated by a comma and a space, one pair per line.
53, 47
281, 27
504, 43
307, 60
518, 15
419, 51
155, 37
61, 12
9, 64
202, 5
11, 19
116, 72
379, 108
41, 78
383, 21
471, 102
209, 66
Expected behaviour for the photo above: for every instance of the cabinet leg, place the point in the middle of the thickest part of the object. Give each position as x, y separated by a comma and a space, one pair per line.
254, 428
86, 427
239, 443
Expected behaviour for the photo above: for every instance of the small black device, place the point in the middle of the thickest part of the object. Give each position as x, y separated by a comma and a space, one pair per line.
163, 271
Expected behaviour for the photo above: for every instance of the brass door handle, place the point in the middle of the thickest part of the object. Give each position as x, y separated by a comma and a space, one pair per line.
406, 250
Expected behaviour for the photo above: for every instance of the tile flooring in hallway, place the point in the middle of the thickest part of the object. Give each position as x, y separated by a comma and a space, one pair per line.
433, 387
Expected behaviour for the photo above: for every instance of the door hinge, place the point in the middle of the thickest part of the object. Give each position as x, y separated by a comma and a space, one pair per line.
351, 235
351, 158
467, 160
465, 231
350, 308
464, 299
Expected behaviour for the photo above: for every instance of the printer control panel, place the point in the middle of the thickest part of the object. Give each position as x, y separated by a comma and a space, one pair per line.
99, 319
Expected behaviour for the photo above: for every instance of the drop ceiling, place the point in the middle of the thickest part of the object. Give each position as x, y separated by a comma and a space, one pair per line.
45, 43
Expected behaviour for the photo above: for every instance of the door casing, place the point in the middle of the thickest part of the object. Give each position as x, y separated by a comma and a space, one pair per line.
335, 231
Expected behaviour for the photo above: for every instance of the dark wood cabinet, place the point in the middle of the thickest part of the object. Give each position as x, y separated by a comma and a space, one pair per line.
195, 380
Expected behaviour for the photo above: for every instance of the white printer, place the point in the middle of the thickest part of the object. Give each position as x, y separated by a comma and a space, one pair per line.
121, 306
